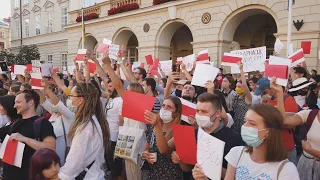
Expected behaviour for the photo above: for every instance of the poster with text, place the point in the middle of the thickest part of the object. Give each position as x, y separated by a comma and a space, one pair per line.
253, 59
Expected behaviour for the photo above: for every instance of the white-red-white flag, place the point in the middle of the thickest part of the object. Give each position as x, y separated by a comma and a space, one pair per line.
230, 59
203, 55
81, 54
297, 57
188, 109
36, 81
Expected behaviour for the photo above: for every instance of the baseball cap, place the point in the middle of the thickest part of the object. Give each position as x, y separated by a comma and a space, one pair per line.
263, 84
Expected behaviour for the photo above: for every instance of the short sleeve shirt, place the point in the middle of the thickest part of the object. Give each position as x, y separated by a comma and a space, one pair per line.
25, 128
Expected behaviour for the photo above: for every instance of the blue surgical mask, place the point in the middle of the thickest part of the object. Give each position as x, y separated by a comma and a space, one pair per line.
318, 103
251, 136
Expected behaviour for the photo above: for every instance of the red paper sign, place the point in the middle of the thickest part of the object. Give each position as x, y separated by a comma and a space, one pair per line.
10, 152
36, 82
92, 67
56, 70
306, 46
103, 48
135, 104
155, 64
12, 68
142, 65
122, 51
29, 67
278, 71
185, 142
149, 59
80, 57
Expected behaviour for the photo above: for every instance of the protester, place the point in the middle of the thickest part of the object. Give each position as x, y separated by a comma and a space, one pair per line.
23, 131
228, 86
61, 119
242, 101
14, 88
299, 90
45, 165
25, 86
161, 166
308, 165
8, 114
90, 129
265, 155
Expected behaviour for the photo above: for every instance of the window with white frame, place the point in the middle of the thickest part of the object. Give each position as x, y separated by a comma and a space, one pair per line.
16, 3
2, 35
64, 16
17, 22
88, 3
50, 22
49, 58
26, 27
25, 1
64, 62
37, 18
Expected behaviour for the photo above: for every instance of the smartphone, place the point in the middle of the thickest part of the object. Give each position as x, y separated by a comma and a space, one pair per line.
174, 68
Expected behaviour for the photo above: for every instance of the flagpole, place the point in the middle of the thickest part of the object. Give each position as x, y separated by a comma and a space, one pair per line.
289, 26
82, 28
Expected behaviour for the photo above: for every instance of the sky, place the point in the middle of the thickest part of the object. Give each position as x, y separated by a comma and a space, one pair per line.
5, 9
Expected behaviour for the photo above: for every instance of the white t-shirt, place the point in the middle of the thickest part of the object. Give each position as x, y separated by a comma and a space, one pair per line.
113, 110
230, 120
313, 133
3, 120
247, 169
256, 99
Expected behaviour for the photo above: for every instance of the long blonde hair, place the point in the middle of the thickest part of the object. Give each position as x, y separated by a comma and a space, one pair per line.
91, 106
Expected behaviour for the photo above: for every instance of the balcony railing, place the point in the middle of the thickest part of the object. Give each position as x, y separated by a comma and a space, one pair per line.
90, 10
117, 3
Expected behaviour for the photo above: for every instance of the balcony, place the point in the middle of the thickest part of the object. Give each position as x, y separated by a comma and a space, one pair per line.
118, 3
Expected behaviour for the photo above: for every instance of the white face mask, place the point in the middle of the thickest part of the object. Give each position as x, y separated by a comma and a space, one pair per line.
204, 121
70, 106
300, 100
266, 97
166, 116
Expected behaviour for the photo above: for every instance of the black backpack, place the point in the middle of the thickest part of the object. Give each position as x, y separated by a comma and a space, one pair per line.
37, 128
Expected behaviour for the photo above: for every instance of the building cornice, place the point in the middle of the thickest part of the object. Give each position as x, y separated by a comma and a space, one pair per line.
148, 9
42, 43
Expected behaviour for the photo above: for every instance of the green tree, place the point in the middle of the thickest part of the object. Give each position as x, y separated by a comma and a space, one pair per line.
6, 55
26, 54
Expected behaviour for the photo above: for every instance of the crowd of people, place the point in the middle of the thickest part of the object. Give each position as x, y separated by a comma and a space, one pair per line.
71, 127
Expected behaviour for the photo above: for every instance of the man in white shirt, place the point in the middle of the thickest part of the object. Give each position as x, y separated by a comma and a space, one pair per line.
113, 108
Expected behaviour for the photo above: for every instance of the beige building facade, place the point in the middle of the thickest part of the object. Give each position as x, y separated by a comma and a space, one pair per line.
169, 30
4, 35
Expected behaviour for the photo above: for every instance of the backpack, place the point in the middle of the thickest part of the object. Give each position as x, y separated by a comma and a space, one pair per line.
37, 128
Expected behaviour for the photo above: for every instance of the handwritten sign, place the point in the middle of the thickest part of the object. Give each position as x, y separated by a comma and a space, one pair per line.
210, 154
113, 51
188, 61
253, 59
166, 67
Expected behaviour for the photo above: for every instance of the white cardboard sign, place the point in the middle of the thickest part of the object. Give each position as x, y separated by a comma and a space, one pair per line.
253, 59
166, 67
203, 73
113, 51
210, 154
188, 61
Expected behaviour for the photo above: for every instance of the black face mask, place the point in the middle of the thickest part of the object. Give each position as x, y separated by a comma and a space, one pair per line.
178, 93
113, 94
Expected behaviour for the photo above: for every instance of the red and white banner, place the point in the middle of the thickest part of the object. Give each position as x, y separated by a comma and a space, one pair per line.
11, 152
188, 109
297, 58
104, 46
36, 81
81, 54
229, 59
203, 55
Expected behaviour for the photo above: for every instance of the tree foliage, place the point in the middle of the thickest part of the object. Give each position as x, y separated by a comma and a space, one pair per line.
26, 54
6, 55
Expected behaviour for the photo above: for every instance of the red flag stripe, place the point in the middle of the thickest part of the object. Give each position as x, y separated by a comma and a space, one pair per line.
36, 82
10, 152
80, 57
203, 57
297, 56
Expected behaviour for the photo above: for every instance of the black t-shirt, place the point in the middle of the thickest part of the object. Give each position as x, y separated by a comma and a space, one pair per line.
231, 139
25, 128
